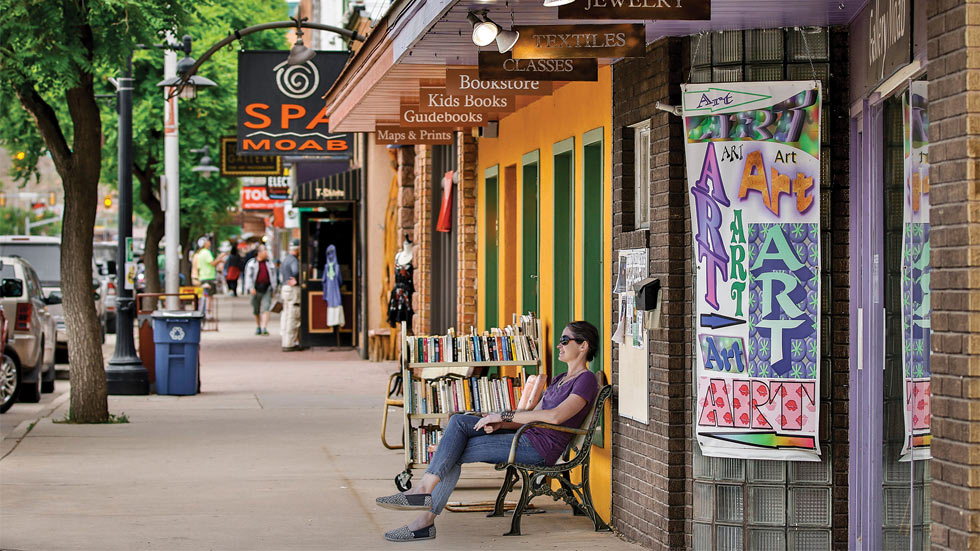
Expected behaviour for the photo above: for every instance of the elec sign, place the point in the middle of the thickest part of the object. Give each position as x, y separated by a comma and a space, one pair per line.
280, 106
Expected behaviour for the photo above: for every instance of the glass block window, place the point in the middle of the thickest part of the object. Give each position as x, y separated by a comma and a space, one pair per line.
751, 504
641, 175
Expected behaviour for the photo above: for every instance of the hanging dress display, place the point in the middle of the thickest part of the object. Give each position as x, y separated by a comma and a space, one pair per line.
331, 289
400, 303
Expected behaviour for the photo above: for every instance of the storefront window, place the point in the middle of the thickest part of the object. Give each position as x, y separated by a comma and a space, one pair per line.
755, 504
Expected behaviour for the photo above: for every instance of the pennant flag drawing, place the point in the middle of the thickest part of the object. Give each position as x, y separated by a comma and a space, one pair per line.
753, 169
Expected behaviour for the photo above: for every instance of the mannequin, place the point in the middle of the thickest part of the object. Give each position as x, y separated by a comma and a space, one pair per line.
400, 303
404, 256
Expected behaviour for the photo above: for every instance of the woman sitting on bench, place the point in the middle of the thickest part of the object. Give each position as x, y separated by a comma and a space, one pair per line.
487, 439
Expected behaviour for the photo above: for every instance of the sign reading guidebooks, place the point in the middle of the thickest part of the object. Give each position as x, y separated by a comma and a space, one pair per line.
753, 168
916, 272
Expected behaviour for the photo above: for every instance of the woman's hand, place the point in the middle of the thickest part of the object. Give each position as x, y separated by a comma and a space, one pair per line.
489, 423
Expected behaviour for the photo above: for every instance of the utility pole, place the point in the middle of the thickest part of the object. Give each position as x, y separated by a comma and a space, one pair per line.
125, 373
171, 149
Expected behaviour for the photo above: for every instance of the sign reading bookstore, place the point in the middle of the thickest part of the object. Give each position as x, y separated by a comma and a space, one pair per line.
753, 169
280, 110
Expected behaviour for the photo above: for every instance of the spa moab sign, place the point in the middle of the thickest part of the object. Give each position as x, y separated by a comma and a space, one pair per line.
280, 106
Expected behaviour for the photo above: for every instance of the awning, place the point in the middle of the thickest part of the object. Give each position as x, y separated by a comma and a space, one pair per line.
345, 186
418, 39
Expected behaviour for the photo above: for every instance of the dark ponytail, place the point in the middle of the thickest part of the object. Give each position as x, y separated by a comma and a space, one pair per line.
587, 332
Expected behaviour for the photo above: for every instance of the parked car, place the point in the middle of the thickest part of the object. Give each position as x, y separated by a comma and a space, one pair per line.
31, 346
44, 254
104, 256
8, 369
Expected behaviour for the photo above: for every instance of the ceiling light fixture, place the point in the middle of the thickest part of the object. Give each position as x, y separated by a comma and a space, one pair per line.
506, 40
484, 31
556, 3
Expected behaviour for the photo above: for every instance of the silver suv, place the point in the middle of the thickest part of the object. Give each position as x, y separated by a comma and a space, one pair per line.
31, 328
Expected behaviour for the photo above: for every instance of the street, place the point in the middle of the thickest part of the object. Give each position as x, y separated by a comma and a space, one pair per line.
279, 451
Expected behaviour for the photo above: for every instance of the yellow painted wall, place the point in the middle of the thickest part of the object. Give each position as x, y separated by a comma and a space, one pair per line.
570, 111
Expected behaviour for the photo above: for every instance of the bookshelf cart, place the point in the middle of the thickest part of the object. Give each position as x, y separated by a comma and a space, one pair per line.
414, 371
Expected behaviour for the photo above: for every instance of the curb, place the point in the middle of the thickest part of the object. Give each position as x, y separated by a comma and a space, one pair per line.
11, 441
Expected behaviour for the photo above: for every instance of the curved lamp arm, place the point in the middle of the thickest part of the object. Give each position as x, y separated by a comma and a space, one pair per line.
237, 35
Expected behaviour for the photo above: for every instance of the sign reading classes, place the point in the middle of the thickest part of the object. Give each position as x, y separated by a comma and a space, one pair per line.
280, 110
753, 171
494, 66
693, 10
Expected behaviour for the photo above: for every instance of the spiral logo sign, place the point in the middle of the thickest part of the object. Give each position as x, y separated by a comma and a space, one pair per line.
297, 81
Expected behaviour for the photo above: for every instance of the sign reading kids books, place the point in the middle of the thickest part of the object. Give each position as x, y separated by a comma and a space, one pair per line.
753, 168
916, 272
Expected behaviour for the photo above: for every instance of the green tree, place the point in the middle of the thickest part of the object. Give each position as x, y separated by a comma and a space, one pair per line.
12, 222
52, 53
203, 121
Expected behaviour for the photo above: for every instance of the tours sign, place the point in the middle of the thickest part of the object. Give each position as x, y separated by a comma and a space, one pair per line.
574, 41
280, 106
503, 66
753, 169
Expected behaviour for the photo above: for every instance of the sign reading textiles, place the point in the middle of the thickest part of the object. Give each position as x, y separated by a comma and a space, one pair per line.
916, 273
692, 10
256, 198
233, 164
568, 41
753, 169
503, 66
280, 110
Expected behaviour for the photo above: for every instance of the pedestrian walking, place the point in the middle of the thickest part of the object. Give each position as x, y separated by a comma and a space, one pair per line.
289, 321
233, 269
205, 267
260, 282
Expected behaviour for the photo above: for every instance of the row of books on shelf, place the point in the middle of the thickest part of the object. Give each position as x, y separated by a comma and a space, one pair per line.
473, 348
421, 439
448, 395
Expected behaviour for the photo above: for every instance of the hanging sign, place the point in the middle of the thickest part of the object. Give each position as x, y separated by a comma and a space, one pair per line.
503, 66
277, 187
916, 274
256, 198
280, 106
565, 41
889, 36
412, 116
753, 169
468, 81
393, 134
233, 164
445, 221
437, 99
689, 10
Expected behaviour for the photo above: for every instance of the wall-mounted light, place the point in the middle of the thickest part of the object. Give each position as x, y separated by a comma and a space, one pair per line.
506, 40
484, 31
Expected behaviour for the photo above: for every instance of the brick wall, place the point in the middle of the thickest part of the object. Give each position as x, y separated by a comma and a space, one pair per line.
406, 192
466, 276
955, 234
422, 300
651, 463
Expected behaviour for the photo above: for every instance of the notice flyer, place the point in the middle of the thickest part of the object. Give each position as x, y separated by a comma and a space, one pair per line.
753, 170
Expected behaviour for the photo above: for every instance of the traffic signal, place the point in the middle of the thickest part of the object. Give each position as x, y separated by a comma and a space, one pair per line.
107, 202
20, 155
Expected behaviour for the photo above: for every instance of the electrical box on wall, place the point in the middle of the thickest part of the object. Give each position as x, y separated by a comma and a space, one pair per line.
647, 293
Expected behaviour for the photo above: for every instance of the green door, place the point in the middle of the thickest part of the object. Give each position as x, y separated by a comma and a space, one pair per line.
490, 306
529, 227
564, 241
593, 233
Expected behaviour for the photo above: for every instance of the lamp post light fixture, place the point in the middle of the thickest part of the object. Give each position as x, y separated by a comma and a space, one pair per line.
205, 167
299, 53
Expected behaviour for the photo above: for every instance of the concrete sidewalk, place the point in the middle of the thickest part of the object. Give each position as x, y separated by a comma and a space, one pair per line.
279, 451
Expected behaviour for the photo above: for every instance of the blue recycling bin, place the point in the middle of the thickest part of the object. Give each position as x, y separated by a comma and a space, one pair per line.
177, 338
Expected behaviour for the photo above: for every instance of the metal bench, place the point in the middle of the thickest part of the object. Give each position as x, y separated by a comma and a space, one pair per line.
537, 479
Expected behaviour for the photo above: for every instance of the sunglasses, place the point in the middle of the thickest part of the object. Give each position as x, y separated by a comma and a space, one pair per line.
565, 339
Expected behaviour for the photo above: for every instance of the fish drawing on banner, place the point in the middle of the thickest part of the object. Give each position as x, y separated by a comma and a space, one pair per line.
753, 169
916, 272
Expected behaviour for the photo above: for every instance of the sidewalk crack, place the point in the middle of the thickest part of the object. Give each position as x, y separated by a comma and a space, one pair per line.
258, 401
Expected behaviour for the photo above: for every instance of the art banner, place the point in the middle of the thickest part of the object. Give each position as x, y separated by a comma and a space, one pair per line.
916, 271
753, 168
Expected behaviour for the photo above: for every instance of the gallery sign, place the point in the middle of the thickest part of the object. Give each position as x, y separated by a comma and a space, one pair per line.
437, 99
280, 106
691, 10
233, 164
468, 81
392, 134
572, 41
494, 66
753, 171
256, 198
889, 32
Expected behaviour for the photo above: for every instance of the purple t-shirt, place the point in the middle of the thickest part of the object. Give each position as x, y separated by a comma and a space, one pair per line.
551, 443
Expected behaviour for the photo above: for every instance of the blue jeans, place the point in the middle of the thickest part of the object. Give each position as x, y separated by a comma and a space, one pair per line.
460, 443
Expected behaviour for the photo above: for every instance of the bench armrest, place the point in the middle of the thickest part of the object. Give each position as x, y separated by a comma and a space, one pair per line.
517, 435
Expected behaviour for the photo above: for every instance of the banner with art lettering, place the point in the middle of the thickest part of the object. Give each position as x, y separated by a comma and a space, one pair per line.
753, 169
916, 271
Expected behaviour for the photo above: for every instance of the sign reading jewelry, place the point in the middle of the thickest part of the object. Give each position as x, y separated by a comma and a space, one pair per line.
280, 106
753, 168
637, 9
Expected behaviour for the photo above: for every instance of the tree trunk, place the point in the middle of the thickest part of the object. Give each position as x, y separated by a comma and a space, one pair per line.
154, 232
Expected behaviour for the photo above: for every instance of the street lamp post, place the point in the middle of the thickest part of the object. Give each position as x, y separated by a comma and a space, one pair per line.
125, 373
